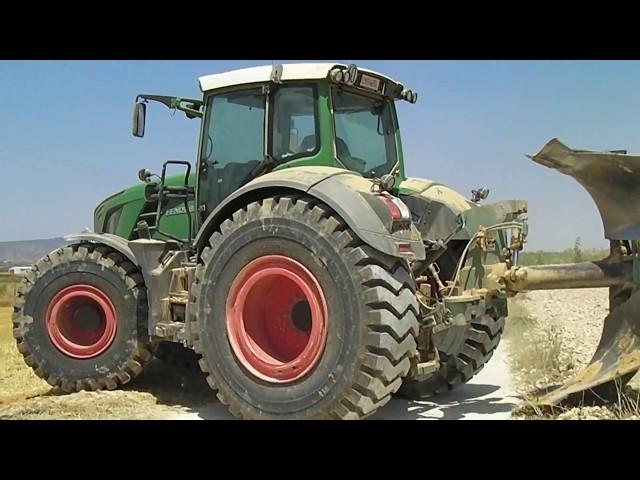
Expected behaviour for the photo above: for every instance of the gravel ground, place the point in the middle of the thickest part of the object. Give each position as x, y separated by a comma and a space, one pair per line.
553, 334
576, 316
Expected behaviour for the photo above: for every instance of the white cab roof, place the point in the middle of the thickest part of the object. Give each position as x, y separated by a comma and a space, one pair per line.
290, 71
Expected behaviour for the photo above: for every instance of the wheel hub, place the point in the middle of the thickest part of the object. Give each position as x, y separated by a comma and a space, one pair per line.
301, 316
276, 319
81, 321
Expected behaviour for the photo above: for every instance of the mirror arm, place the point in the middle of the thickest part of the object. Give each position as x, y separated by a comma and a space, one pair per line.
191, 109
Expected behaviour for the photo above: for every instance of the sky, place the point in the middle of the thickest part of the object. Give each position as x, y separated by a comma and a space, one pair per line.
66, 144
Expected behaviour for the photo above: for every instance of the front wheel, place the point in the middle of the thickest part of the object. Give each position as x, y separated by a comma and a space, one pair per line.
296, 318
79, 319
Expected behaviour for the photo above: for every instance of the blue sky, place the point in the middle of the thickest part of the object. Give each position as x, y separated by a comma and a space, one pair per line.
65, 139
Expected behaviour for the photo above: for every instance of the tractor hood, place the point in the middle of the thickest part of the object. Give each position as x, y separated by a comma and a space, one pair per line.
104, 209
119, 213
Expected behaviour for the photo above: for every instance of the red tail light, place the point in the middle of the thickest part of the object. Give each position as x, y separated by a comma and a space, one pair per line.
396, 214
398, 210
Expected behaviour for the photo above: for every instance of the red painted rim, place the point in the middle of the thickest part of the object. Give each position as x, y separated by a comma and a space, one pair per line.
276, 319
81, 321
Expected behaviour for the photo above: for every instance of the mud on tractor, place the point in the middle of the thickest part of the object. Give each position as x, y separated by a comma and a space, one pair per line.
311, 277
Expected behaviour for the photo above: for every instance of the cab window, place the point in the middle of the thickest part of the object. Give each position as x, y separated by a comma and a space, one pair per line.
233, 142
294, 132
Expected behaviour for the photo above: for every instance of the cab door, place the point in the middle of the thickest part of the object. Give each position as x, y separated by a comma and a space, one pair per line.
232, 144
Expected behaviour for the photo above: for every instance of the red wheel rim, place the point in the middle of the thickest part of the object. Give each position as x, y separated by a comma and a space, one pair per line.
81, 321
276, 319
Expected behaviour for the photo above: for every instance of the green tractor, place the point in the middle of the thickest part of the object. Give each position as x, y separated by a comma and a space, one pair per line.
309, 275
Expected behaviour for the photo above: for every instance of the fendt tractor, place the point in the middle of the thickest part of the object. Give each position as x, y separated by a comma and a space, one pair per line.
310, 277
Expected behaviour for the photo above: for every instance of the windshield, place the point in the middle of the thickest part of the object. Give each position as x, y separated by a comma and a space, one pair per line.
365, 133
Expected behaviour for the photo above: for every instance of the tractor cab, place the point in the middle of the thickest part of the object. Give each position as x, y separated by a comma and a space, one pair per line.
266, 118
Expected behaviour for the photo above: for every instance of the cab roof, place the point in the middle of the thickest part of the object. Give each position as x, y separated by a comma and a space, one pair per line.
261, 74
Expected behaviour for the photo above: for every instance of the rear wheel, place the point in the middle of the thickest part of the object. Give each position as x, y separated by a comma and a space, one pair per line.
295, 318
79, 318
463, 358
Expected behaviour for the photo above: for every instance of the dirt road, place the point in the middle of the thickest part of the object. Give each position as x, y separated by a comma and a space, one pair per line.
490, 395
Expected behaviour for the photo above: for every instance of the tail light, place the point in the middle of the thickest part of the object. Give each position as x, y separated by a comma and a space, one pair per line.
397, 208
400, 214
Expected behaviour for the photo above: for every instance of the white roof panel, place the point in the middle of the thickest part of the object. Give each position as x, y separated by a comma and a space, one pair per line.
290, 71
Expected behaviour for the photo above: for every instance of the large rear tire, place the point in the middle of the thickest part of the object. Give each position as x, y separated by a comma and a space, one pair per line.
79, 319
295, 318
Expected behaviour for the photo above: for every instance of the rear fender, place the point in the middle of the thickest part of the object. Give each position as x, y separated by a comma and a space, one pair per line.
345, 192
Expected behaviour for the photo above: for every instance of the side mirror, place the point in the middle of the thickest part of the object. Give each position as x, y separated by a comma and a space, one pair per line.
139, 116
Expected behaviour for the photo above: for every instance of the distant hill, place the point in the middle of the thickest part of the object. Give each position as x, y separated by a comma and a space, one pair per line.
25, 252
